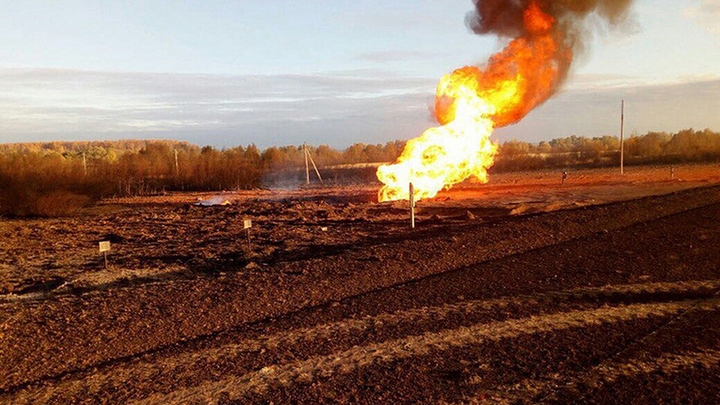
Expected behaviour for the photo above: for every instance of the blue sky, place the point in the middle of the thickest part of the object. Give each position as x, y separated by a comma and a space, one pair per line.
324, 72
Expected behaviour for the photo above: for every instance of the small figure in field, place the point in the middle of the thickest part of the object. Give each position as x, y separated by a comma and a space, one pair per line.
672, 172
564, 176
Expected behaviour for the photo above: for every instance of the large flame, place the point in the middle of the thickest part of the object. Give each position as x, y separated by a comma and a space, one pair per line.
469, 103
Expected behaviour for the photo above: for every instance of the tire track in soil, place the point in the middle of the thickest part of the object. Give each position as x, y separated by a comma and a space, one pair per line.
656, 357
531, 389
143, 372
116, 378
311, 369
581, 385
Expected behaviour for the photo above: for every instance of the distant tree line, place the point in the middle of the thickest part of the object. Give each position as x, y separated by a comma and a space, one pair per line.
54, 178
685, 146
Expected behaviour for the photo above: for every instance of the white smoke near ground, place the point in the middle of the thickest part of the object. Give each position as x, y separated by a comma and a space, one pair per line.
211, 202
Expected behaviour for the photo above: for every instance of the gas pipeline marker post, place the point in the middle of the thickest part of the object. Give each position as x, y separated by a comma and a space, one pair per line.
247, 224
104, 249
412, 206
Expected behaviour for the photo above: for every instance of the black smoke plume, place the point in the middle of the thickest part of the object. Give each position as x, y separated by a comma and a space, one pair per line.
505, 17
575, 21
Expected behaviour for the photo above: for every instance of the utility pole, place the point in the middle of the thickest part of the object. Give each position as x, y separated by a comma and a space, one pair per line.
622, 137
84, 163
177, 166
307, 168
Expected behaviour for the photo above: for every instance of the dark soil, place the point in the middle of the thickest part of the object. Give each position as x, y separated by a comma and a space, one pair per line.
611, 303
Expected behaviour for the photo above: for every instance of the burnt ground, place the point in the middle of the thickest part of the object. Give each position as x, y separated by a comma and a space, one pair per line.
517, 292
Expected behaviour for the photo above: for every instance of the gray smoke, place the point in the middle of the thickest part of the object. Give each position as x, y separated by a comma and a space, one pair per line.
505, 17
571, 32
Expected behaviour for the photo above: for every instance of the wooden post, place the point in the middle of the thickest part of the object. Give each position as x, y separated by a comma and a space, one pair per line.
84, 163
309, 156
104, 248
412, 206
309, 160
307, 167
177, 166
247, 224
622, 137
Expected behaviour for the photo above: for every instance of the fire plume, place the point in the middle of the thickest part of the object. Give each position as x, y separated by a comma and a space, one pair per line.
471, 101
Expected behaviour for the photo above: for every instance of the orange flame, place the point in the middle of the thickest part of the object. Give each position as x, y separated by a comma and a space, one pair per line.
469, 104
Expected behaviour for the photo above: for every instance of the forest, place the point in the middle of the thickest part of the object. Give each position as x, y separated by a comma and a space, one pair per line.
57, 178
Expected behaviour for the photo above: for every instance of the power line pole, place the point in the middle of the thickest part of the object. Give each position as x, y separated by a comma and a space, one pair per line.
308, 157
312, 161
177, 166
307, 168
622, 137
84, 163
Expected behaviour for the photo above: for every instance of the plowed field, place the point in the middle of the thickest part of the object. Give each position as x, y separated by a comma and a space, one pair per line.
605, 289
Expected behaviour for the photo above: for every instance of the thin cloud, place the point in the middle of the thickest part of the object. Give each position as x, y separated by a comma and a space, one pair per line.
338, 109
585, 82
393, 56
596, 112
69, 104
706, 13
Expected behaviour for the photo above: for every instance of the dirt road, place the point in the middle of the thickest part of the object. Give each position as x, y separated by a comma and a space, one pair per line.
615, 303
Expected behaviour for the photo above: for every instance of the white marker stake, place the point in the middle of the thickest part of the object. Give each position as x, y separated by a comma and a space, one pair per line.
104, 248
247, 224
412, 206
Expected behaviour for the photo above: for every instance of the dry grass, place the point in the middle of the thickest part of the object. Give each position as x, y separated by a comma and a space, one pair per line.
60, 203
48, 204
